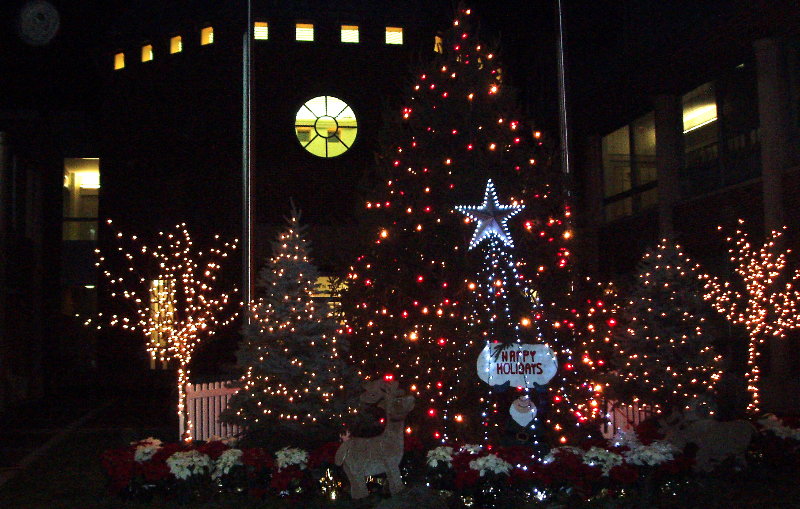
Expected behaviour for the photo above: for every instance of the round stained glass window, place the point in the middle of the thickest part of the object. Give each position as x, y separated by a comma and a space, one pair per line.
326, 126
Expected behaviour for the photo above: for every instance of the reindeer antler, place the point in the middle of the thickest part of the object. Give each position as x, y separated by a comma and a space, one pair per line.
378, 391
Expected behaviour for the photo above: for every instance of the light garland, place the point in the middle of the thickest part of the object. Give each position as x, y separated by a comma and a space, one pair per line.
499, 277
767, 304
171, 292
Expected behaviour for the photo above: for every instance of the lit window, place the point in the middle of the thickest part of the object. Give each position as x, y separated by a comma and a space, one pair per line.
147, 52
176, 44
304, 32
162, 318
438, 44
394, 35
326, 126
261, 30
349, 33
119, 61
207, 36
699, 108
81, 193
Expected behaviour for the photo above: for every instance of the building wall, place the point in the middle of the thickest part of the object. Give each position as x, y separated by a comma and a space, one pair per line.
171, 128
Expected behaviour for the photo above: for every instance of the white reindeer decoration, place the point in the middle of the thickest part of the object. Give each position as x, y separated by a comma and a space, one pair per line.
362, 457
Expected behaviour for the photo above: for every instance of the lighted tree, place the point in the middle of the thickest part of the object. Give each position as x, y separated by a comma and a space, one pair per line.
763, 299
409, 300
665, 356
291, 356
170, 294
594, 307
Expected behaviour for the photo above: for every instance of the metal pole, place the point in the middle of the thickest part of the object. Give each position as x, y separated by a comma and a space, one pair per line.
562, 99
247, 162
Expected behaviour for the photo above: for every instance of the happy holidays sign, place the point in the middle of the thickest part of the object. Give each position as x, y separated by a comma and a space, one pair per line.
519, 365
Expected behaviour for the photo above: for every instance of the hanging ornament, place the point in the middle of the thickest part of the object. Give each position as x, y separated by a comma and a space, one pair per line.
522, 410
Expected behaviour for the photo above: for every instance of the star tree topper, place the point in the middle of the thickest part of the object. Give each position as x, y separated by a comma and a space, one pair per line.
492, 218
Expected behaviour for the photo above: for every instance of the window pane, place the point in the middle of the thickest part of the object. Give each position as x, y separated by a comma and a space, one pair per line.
699, 108
648, 198
261, 30
700, 126
119, 61
394, 35
619, 209
326, 126
438, 44
644, 147
80, 198
617, 162
147, 52
176, 44
207, 36
304, 32
349, 33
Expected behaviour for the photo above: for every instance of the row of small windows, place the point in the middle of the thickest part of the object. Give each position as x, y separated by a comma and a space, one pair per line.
303, 32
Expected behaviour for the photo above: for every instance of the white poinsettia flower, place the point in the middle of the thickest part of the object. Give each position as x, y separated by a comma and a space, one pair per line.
603, 458
651, 455
490, 463
226, 461
145, 449
471, 448
443, 454
185, 464
289, 456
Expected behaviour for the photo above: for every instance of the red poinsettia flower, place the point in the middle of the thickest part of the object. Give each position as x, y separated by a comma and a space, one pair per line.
624, 474
648, 431
213, 449
323, 455
257, 459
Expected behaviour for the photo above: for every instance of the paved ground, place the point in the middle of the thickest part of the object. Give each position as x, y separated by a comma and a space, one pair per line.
29, 429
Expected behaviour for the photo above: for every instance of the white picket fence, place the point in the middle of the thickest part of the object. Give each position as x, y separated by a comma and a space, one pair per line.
621, 417
204, 403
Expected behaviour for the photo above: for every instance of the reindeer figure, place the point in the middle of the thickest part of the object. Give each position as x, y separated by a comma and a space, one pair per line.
362, 457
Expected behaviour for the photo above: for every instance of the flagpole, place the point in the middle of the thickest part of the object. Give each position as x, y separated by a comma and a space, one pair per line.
562, 100
247, 162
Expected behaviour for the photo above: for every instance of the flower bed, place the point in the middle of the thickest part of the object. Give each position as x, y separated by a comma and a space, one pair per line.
639, 465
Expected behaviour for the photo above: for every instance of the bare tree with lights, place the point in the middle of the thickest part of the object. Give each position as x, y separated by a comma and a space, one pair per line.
763, 299
170, 295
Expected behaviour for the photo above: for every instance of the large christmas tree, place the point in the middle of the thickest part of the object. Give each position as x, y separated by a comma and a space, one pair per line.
292, 353
410, 300
664, 353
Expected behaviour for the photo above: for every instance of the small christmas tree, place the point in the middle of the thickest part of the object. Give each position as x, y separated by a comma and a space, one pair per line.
294, 374
664, 353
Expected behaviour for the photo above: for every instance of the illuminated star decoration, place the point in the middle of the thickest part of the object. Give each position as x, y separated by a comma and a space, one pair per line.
492, 217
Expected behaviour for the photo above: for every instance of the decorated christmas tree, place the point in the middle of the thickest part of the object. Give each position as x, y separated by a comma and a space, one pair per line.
664, 354
410, 301
292, 352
